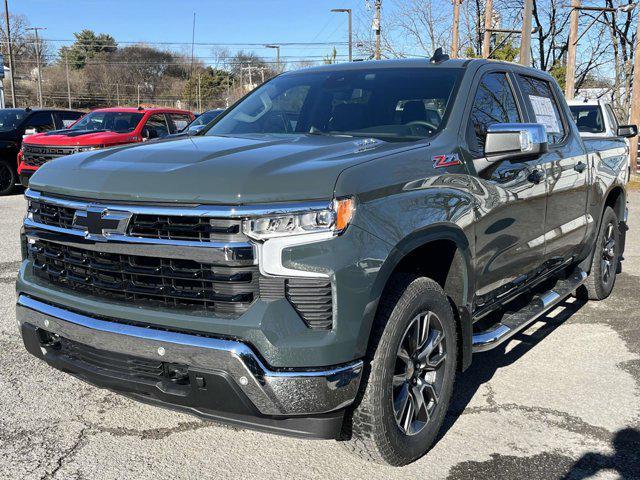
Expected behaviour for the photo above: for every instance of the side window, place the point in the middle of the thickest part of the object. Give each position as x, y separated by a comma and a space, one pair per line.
41, 122
494, 103
156, 126
180, 121
544, 106
67, 119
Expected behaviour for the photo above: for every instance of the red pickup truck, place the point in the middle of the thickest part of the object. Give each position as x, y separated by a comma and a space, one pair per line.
105, 127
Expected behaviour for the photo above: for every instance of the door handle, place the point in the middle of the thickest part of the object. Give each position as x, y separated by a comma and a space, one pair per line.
536, 176
580, 166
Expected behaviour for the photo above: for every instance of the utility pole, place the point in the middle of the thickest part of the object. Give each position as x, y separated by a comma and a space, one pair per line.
456, 21
377, 26
488, 16
572, 46
36, 29
525, 40
199, 93
349, 12
117, 94
10, 49
66, 66
277, 47
635, 100
138, 95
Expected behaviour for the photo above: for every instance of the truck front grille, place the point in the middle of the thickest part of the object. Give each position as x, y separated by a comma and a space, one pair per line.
50, 214
180, 284
163, 227
190, 228
38, 155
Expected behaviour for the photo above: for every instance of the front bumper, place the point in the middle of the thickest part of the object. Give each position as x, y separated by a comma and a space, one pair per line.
227, 381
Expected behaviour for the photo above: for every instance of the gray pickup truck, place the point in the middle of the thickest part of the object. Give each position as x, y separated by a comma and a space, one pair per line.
326, 255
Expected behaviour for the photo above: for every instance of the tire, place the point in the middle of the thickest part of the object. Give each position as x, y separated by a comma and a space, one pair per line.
372, 430
606, 258
8, 178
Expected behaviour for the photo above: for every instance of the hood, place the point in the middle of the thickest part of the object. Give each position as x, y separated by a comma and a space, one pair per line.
67, 137
212, 170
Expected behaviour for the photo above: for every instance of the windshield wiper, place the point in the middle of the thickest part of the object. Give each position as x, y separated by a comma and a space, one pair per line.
316, 131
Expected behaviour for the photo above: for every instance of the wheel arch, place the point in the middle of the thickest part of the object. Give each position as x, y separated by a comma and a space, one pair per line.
442, 253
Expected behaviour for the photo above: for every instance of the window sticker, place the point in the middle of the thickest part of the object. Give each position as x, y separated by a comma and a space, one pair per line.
545, 114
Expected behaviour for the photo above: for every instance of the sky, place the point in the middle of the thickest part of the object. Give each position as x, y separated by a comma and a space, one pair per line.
217, 21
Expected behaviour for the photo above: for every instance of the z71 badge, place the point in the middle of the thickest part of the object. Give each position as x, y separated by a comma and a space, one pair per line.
448, 160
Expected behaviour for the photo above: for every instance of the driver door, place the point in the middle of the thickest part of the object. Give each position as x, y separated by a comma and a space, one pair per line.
511, 198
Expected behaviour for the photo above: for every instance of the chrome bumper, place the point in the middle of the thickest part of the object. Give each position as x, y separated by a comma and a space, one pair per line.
276, 393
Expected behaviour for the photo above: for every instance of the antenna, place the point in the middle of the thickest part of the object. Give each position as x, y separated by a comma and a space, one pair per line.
439, 56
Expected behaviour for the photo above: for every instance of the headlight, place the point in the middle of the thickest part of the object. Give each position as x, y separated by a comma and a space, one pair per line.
334, 219
89, 148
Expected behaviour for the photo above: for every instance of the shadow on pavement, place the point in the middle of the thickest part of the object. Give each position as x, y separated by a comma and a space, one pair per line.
486, 364
625, 460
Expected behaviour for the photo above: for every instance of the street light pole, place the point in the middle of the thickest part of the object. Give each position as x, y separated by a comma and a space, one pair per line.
525, 41
36, 29
348, 11
486, 42
456, 20
10, 50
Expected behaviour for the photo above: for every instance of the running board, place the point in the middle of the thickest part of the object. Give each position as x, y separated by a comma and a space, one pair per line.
514, 322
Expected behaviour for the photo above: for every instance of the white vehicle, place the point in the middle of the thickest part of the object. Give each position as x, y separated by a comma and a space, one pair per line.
596, 118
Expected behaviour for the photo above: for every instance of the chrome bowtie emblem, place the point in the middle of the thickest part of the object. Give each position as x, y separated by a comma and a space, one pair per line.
100, 222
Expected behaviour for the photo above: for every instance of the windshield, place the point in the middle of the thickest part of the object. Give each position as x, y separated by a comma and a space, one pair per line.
11, 118
386, 103
588, 118
120, 122
205, 118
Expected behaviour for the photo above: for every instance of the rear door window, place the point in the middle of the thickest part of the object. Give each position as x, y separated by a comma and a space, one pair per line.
156, 126
544, 106
180, 121
41, 122
66, 119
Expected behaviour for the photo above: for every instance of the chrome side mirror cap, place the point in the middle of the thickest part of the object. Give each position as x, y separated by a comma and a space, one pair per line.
506, 141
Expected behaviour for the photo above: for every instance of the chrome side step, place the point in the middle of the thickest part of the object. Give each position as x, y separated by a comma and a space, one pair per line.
514, 322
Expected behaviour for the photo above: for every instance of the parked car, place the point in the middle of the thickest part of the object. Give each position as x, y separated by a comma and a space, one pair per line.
323, 259
101, 128
596, 118
14, 124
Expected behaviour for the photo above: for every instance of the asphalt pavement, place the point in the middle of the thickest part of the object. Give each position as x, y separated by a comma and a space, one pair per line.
562, 400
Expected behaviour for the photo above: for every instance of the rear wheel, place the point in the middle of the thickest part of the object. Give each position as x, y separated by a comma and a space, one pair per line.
409, 379
8, 178
606, 258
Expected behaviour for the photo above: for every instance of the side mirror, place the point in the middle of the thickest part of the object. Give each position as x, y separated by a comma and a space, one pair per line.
149, 133
627, 131
195, 129
506, 141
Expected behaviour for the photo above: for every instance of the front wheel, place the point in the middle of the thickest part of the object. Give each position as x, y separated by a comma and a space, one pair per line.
606, 258
409, 379
8, 178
